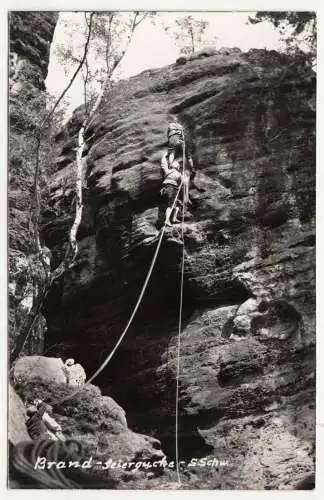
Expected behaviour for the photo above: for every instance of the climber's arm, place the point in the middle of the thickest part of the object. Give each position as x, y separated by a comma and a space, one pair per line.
51, 423
164, 164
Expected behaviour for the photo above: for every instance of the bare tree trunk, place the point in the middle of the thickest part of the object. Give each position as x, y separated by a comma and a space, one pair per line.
78, 193
192, 39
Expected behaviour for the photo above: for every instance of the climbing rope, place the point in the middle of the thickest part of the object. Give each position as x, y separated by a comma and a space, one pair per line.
180, 316
109, 357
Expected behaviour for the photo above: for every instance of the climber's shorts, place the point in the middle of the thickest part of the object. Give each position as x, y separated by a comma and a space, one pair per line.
168, 194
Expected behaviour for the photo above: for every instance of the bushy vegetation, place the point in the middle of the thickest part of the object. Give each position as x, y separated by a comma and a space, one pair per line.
297, 28
86, 406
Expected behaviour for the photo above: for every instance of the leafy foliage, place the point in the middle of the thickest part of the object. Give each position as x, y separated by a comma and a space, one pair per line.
27, 108
298, 29
110, 36
189, 33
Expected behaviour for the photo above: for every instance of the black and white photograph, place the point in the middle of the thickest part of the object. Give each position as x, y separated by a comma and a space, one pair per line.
161, 194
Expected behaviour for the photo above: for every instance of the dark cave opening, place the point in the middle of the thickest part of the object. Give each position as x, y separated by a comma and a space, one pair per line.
189, 446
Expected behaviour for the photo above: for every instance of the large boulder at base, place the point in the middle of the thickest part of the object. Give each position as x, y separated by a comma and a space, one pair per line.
40, 367
98, 423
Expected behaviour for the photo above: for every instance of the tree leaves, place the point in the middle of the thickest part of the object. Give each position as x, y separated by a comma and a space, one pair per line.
297, 28
110, 38
189, 33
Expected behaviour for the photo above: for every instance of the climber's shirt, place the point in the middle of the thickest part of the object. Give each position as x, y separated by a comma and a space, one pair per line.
35, 425
41, 424
171, 176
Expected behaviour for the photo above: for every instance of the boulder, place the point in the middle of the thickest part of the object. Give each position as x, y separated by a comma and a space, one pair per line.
40, 367
99, 424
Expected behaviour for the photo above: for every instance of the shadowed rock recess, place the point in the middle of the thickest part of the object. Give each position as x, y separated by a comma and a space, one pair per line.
247, 361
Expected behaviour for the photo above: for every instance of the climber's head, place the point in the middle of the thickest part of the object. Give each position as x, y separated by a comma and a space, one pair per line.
69, 362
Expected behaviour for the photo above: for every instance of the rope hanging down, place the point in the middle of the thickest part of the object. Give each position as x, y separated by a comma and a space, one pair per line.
109, 357
180, 315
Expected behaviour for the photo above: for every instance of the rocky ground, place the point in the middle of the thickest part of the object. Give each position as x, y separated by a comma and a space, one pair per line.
97, 422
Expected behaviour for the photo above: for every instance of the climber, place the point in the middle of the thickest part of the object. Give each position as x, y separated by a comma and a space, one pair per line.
172, 176
176, 142
170, 184
75, 374
41, 424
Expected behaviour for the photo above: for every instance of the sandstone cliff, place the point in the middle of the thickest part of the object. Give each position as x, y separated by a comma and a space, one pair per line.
30, 34
248, 342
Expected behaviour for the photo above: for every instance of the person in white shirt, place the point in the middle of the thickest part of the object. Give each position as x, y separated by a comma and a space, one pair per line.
75, 373
172, 178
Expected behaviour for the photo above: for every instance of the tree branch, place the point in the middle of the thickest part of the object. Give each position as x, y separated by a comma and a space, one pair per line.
72, 248
85, 52
108, 44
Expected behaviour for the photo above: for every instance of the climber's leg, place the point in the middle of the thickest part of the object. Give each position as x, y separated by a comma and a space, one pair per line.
186, 189
174, 218
168, 193
167, 216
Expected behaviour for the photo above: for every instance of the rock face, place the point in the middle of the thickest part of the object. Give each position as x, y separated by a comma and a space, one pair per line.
30, 37
17, 430
248, 338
